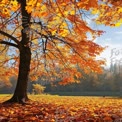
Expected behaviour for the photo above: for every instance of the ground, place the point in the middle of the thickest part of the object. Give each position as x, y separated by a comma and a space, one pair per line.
49, 108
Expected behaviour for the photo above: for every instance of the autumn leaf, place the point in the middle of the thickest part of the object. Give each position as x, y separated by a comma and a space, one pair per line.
40, 36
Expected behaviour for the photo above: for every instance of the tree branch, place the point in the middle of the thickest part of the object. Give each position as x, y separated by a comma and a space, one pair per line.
11, 37
8, 43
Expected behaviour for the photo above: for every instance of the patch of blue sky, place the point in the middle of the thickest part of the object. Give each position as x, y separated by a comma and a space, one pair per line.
112, 38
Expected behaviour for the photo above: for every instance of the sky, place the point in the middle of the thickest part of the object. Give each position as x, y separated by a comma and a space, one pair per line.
113, 39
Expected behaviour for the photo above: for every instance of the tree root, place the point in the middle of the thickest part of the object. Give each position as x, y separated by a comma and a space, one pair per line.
16, 99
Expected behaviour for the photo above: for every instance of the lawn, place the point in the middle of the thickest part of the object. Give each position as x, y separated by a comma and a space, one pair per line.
49, 108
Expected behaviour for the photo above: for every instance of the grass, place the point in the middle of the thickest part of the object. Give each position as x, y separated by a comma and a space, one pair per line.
97, 93
54, 108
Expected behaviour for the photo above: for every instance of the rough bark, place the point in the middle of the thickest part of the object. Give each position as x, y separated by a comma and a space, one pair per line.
20, 94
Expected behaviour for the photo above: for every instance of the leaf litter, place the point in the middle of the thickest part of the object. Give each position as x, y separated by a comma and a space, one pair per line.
47, 108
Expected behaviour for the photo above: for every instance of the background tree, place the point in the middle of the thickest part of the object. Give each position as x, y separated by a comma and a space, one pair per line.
50, 34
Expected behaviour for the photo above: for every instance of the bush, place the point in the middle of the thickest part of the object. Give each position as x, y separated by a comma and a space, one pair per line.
38, 89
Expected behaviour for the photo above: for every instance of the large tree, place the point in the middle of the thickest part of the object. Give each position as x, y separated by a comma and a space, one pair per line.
52, 36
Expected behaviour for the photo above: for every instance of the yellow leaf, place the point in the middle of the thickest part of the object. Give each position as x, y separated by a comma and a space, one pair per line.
14, 3
38, 4
118, 24
63, 32
72, 12
120, 10
94, 11
53, 32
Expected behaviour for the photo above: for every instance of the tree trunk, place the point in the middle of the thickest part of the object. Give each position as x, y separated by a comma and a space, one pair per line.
20, 94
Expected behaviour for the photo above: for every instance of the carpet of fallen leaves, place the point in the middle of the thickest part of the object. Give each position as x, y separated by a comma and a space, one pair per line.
47, 108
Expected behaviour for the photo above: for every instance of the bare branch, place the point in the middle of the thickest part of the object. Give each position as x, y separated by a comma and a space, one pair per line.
8, 43
11, 37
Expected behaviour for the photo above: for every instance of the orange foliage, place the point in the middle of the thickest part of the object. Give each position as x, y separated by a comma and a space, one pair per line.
58, 34
110, 13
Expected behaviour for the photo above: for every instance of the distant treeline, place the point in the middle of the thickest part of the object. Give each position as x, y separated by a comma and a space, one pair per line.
110, 80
